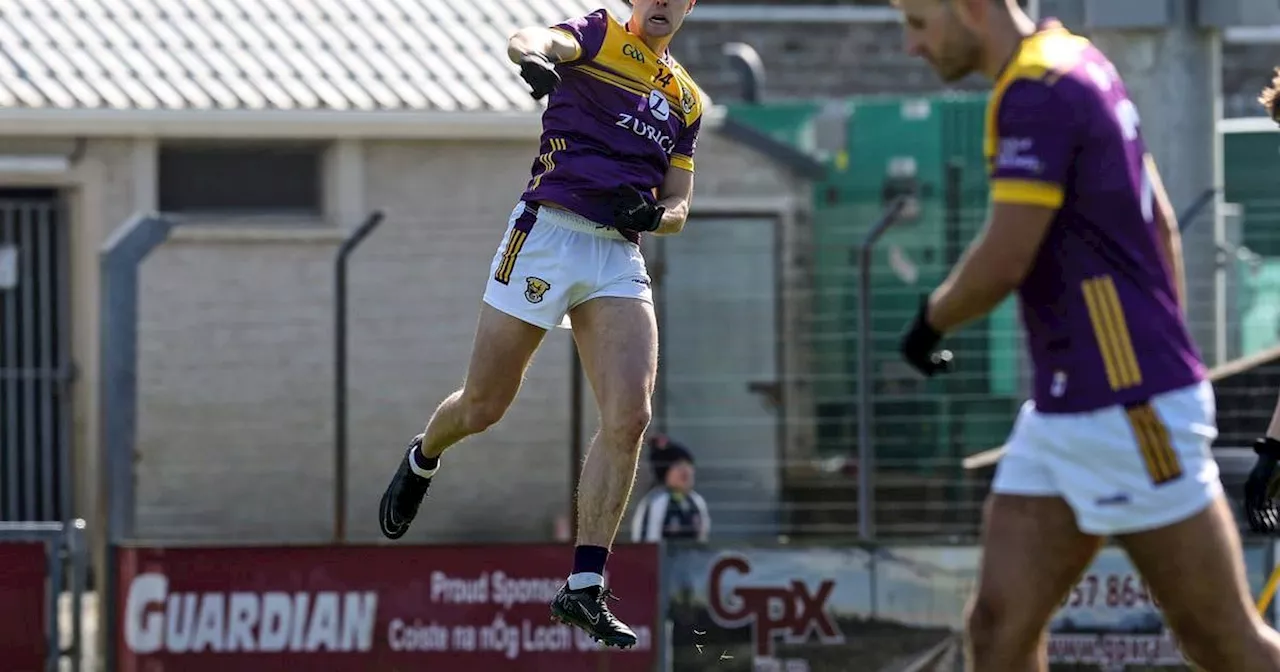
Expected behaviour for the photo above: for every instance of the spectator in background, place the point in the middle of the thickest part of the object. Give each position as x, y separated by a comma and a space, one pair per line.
671, 510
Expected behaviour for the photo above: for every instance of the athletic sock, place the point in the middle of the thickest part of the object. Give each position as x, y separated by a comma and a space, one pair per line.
588, 567
422, 465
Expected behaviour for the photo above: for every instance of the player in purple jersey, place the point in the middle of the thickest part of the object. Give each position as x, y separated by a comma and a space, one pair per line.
1116, 439
619, 134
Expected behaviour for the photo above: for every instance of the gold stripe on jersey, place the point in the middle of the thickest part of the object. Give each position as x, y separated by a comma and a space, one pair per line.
1154, 444
682, 162
1027, 192
627, 58
611, 78
1044, 55
548, 160
1112, 331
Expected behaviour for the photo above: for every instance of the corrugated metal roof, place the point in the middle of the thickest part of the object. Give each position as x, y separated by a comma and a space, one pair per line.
367, 55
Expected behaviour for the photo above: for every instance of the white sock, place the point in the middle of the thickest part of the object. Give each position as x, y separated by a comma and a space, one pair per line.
413, 464
585, 580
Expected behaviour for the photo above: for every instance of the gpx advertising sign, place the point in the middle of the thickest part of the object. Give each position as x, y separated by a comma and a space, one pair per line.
466, 608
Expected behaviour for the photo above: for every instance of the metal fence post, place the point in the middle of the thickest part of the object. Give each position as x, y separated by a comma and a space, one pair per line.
119, 262
866, 452
340, 373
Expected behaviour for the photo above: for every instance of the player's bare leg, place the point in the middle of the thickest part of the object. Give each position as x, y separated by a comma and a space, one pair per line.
617, 340
500, 354
1032, 554
1196, 570
503, 347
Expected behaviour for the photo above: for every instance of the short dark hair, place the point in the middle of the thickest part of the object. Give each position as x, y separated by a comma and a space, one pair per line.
1270, 97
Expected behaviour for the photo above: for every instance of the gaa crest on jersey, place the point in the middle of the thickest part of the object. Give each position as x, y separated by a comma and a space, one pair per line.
659, 106
686, 99
535, 288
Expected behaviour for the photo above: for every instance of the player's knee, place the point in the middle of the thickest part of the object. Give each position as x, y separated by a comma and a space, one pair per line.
628, 422
482, 412
992, 631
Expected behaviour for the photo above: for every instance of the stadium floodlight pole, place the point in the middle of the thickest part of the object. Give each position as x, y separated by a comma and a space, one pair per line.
866, 451
340, 372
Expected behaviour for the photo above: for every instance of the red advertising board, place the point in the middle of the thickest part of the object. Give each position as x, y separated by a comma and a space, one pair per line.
370, 609
23, 643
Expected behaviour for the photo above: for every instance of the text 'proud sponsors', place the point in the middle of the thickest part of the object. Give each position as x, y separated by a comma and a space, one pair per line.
475, 608
506, 636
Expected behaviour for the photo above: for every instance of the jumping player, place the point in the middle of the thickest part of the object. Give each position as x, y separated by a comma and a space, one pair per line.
618, 140
1115, 442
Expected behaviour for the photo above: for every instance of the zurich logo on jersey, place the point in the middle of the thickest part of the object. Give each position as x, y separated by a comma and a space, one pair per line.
659, 106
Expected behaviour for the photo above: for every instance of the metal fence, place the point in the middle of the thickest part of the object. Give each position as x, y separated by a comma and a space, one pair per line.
790, 393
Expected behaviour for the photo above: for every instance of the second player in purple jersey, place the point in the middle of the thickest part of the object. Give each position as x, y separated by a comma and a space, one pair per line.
621, 116
1100, 304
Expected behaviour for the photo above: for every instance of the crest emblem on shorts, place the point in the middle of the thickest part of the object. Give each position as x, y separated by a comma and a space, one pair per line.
535, 288
686, 99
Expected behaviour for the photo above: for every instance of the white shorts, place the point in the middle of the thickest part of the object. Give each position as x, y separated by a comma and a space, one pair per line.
553, 260
1122, 470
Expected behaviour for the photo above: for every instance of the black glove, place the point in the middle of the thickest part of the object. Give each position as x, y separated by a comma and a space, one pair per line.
918, 345
1260, 489
540, 74
636, 211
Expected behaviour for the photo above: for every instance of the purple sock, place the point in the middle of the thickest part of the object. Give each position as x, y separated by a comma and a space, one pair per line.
588, 567
421, 464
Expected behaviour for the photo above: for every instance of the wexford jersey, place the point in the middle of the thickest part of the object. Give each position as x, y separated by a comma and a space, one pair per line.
622, 115
1100, 308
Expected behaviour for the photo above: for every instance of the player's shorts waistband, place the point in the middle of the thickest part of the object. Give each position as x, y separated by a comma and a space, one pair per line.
570, 220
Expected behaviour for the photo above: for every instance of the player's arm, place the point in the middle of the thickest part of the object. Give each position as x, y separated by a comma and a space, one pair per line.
676, 192
1167, 230
557, 46
674, 196
993, 266
1035, 141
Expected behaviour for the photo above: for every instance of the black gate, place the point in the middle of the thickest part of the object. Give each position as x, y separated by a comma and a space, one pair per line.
35, 356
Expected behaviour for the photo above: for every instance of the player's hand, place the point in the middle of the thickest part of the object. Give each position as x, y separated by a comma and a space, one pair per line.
540, 74
1260, 489
636, 211
919, 343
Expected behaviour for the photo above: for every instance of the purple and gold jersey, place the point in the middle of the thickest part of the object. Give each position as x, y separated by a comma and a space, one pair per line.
1100, 308
622, 115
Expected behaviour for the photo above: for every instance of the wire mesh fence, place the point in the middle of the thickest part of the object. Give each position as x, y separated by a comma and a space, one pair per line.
758, 375
759, 326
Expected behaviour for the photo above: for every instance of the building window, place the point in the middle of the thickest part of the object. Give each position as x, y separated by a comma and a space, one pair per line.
245, 179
